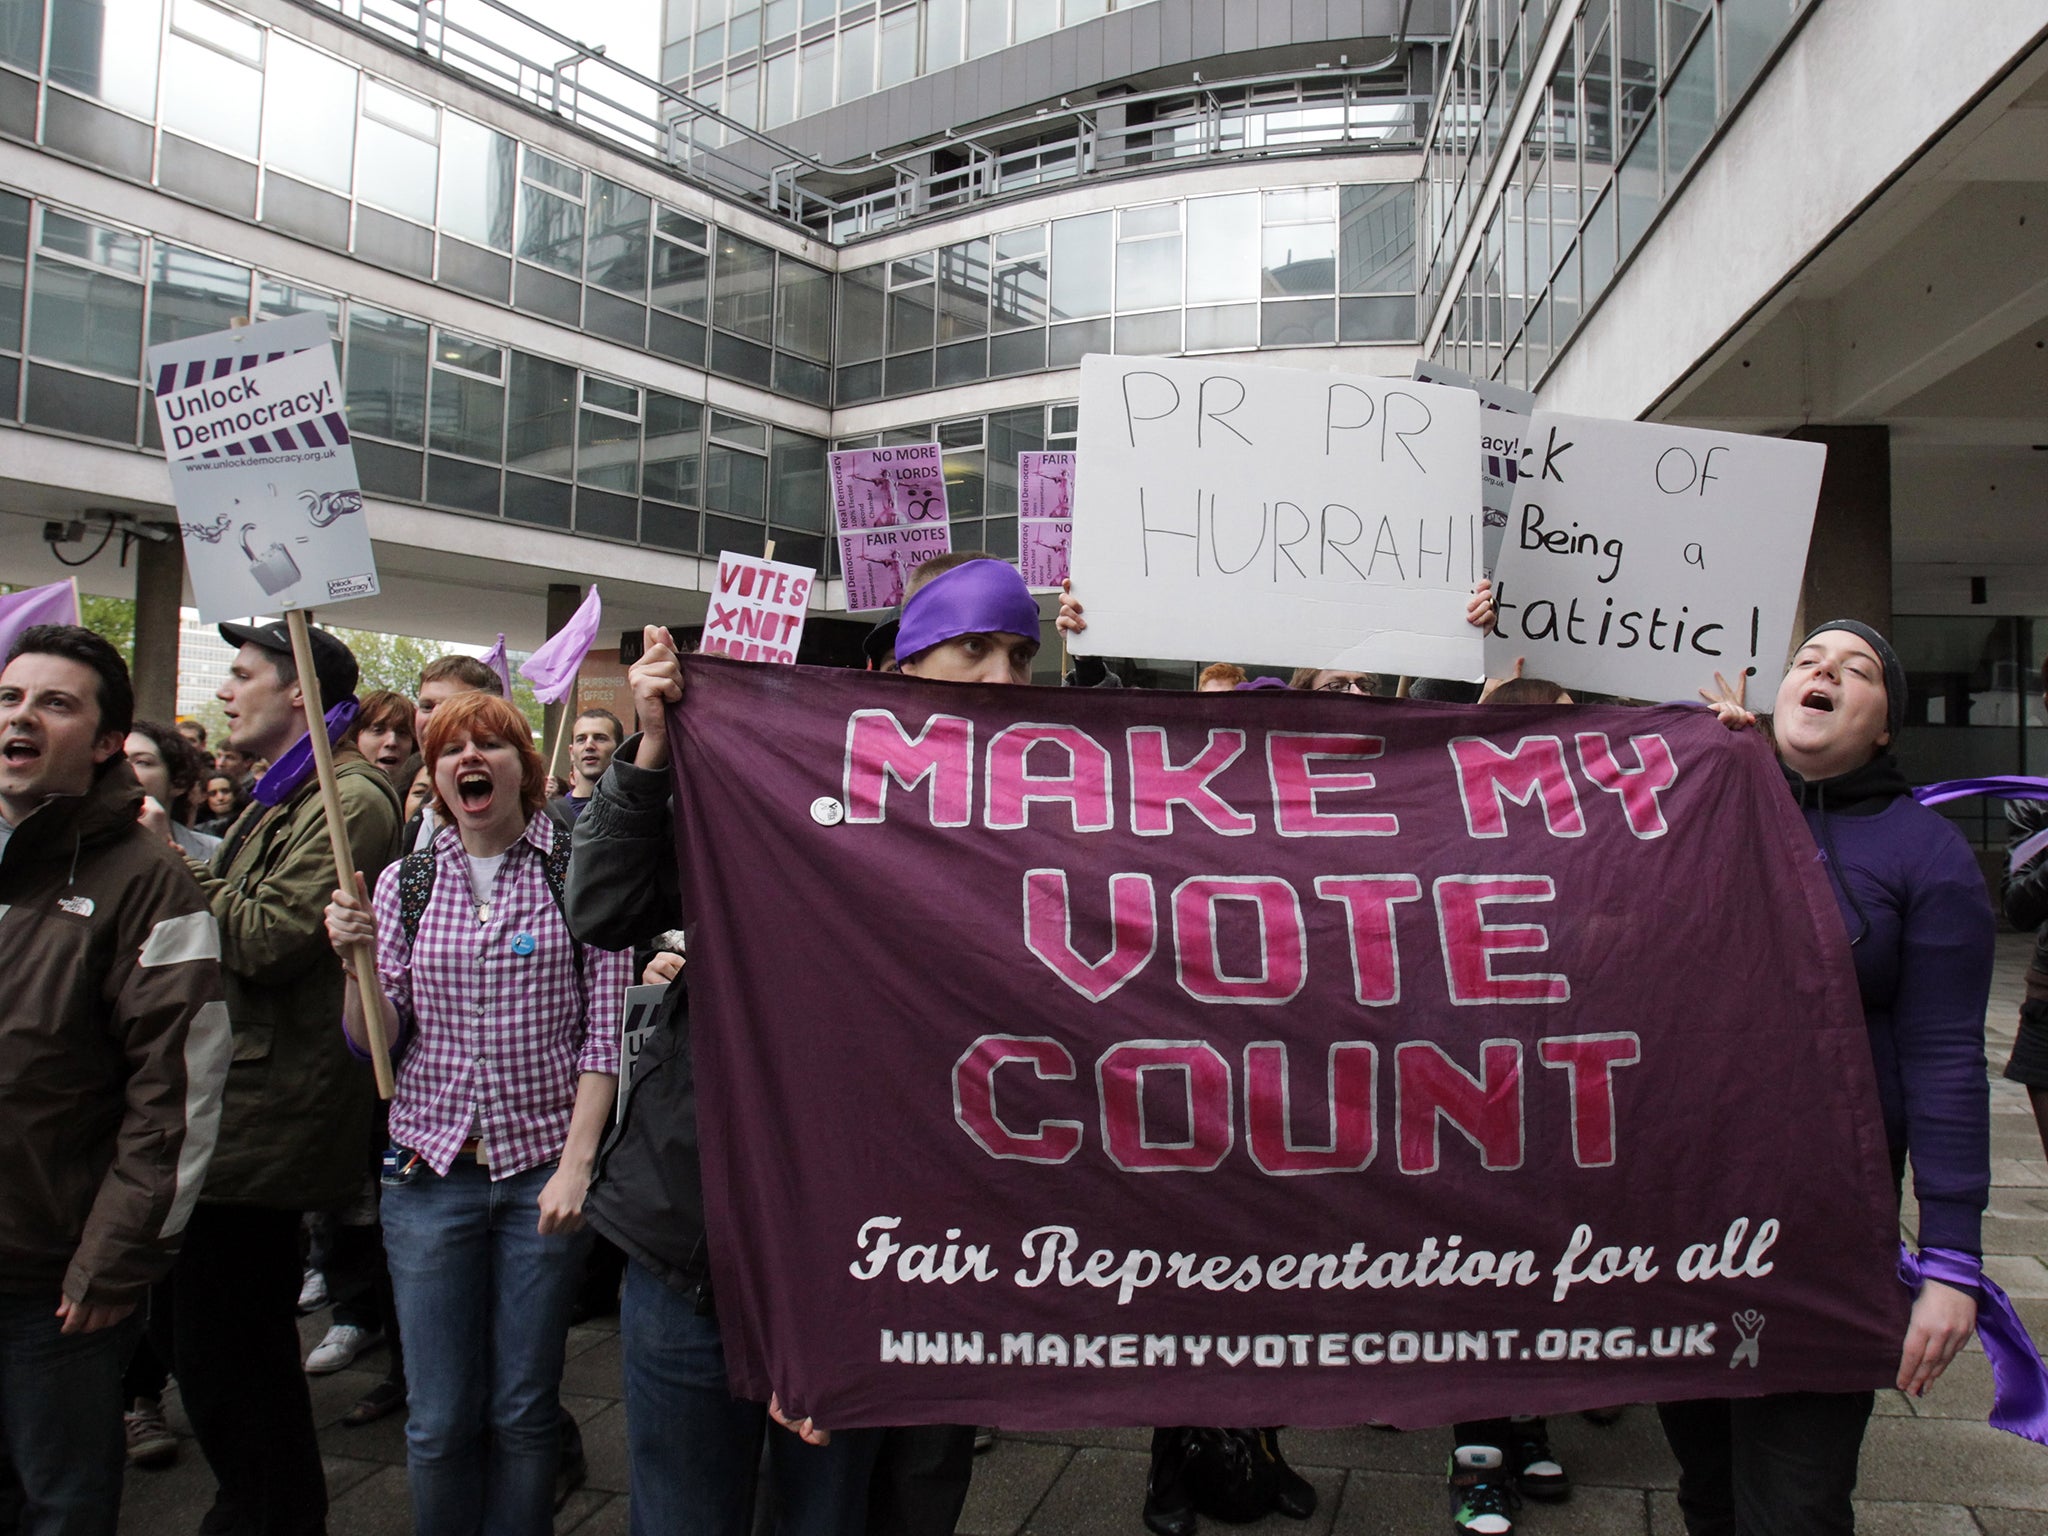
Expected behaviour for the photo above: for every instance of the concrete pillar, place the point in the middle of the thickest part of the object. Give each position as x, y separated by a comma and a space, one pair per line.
159, 592
1849, 564
563, 600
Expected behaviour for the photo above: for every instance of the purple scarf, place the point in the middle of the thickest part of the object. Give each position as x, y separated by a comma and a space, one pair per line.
284, 777
980, 597
2019, 1403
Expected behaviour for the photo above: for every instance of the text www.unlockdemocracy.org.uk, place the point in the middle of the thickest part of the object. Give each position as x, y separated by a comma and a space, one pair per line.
1270, 1351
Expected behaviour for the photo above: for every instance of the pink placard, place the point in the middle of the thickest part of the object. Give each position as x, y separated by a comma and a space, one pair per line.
1045, 516
889, 505
1042, 550
757, 610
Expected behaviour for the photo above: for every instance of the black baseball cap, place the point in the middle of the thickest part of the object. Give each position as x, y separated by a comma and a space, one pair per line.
879, 643
333, 663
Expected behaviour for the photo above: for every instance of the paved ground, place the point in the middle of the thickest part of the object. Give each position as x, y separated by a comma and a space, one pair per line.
1930, 1468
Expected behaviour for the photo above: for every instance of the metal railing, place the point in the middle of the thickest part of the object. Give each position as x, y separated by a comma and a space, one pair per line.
1296, 113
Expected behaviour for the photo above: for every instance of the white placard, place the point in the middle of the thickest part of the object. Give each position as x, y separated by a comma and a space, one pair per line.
261, 470
1503, 417
1276, 516
1641, 559
757, 609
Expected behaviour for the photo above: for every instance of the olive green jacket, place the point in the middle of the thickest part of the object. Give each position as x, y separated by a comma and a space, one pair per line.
299, 1113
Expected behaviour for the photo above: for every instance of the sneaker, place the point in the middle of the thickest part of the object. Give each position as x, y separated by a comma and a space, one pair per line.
1482, 1500
338, 1350
150, 1441
1537, 1473
312, 1292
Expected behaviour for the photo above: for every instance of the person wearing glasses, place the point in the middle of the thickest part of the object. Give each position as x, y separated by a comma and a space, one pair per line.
1334, 680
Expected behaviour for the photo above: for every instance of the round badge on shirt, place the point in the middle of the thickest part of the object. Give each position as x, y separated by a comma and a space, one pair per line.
523, 944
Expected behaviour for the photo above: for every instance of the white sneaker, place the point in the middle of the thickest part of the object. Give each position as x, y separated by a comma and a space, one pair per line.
312, 1292
337, 1351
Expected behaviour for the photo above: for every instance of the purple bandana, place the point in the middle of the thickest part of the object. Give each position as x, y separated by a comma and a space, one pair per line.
285, 775
2019, 1379
980, 597
1259, 682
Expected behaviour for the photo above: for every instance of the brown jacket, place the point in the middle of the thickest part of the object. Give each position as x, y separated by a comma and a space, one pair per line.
300, 1112
113, 1047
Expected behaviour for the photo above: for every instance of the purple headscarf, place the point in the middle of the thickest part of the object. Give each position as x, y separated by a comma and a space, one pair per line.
980, 597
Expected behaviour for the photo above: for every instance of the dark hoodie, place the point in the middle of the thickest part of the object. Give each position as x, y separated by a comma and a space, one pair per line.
1916, 911
113, 1047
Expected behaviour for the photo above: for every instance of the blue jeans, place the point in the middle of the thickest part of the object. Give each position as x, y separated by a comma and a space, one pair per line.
483, 1300
60, 1420
693, 1448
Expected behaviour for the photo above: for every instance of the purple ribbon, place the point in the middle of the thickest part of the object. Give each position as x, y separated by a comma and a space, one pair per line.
2000, 786
284, 777
2019, 1403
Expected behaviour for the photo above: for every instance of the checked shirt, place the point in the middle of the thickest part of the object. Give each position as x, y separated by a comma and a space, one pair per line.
500, 1017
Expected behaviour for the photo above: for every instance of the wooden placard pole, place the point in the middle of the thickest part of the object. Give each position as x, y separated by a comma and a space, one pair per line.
365, 956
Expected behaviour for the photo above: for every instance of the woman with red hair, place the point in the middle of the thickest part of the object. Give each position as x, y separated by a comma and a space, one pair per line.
505, 1039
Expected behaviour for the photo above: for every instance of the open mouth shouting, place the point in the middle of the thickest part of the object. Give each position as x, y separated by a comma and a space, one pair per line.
20, 752
474, 789
1815, 698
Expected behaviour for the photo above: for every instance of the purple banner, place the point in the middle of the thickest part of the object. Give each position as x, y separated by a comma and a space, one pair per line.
1259, 1058
889, 509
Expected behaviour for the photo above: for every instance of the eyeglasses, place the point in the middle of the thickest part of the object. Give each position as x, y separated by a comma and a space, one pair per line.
1346, 685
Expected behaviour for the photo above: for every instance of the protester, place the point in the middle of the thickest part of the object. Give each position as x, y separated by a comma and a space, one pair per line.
506, 1030
1333, 680
417, 785
195, 733
593, 738
1920, 931
383, 730
2024, 890
442, 679
1219, 677
298, 1112
166, 766
114, 1047
225, 799
693, 1447
1527, 690
237, 765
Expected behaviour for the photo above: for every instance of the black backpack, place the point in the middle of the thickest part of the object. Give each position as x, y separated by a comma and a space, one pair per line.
416, 888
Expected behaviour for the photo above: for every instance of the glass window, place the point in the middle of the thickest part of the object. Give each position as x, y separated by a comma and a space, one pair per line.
1750, 30
13, 274
617, 258
743, 96
1689, 108
608, 438
1014, 243
739, 430
1296, 205
1081, 272
395, 153
899, 46
191, 294
736, 482
541, 428
96, 243
1638, 188
1019, 299
963, 291
1035, 18
108, 49
387, 374
1148, 272
1154, 335
1376, 238
857, 61
778, 92
942, 34
90, 319
743, 288
674, 441
1223, 248
819, 10
276, 298
549, 172
1297, 323
778, 19
309, 114
710, 47
860, 315
477, 173
911, 318
213, 76
1299, 259
987, 26
680, 279
679, 226
802, 497
21, 44
803, 309
1228, 327
550, 230
816, 94
467, 408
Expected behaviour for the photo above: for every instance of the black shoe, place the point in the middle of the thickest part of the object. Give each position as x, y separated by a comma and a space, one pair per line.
573, 1470
1293, 1495
1536, 1471
1169, 1509
380, 1402
1483, 1499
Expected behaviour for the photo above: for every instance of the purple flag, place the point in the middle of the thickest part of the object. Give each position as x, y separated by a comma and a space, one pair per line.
1266, 1057
494, 658
55, 604
552, 668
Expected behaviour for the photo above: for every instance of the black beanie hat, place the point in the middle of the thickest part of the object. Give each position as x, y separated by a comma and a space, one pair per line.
1894, 673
